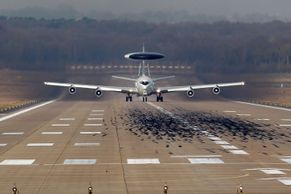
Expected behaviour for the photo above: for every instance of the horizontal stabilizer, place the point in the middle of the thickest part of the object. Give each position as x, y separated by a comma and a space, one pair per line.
124, 78
161, 78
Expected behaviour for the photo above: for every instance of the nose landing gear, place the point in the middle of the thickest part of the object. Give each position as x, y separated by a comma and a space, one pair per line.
144, 99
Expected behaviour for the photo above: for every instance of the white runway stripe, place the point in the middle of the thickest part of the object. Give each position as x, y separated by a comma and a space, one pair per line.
285, 119
284, 125
285, 181
221, 142
243, 114
239, 152
80, 161
40, 144
95, 119
272, 171
205, 161
87, 144
3, 144
18, 162
143, 161
25, 110
286, 159
214, 138
12, 133
67, 119
97, 110
196, 156
52, 133
94, 114
90, 132
60, 125
92, 125
264, 106
229, 111
229, 147
263, 119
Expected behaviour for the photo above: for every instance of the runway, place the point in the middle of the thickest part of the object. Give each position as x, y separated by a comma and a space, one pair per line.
202, 146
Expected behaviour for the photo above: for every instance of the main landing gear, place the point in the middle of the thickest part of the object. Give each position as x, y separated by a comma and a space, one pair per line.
160, 98
128, 98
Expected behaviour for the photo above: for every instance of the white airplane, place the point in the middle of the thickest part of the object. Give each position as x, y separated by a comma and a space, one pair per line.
144, 84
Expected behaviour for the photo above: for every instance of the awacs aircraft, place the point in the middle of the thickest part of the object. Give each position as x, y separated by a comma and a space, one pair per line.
144, 84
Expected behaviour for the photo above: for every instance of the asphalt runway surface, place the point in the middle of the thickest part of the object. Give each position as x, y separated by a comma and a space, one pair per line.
193, 146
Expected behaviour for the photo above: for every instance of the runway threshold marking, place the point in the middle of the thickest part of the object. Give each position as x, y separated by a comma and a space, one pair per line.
40, 144
79, 161
229, 147
210, 136
25, 110
52, 133
143, 161
12, 133
18, 162
286, 159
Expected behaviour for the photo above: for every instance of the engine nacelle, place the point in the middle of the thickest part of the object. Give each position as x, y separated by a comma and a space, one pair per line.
190, 93
72, 90
98, 93
216, 90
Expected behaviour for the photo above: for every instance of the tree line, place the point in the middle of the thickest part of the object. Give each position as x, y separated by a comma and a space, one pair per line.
42, 44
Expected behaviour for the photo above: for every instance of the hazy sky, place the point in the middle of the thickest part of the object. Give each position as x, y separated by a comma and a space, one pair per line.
213, 7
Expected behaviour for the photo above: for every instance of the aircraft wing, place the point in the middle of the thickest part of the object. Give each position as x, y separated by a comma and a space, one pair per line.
94, 87
196, 87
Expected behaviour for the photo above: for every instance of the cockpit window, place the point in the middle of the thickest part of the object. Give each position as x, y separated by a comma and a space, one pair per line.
144, 83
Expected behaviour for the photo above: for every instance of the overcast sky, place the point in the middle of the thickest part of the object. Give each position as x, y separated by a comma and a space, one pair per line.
213, 7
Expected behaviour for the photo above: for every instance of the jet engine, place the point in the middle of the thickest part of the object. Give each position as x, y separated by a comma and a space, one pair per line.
72, 90
98, 93
216, 90
190, 93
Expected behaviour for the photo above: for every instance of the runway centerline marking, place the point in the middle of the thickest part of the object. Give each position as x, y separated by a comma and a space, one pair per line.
90, 132
40, 144
263, 119
60, 125
272, 171
25, 110
143, 161
285, 119
79, 161
221, 142
52, 133
18, 162
12, 133
3, 144
86, 144
205, 161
